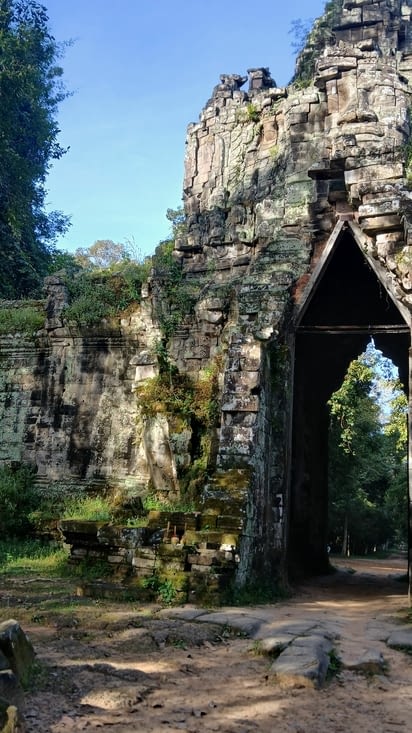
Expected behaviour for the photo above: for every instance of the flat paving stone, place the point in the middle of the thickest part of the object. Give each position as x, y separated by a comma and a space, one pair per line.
370, 661
242, 622
400, 639
186, 613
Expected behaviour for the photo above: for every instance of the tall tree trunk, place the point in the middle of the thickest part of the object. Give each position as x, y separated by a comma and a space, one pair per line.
345, 544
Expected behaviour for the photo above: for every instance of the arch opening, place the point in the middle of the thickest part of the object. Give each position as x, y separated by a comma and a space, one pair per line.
346, 306
367, 459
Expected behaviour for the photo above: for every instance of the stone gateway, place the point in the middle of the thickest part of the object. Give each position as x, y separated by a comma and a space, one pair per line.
296, 249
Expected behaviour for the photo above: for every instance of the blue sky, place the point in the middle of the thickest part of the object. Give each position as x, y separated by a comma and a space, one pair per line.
140, 71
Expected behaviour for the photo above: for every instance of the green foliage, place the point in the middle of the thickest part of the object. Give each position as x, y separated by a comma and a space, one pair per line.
206, 405
103, 254
274, 152
88, 508
17, 499
86, 570
164, 589
21, 318
407, 152
367, 497
50, 502
96, 295
174, 394
309, 41
335, 664
30, 89
187, 404
252, 112
18, 557
351, 406
166, 394
178, 221
176, 296
61, 260
152, 502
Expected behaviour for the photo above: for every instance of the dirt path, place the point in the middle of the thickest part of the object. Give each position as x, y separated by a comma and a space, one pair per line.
131, 668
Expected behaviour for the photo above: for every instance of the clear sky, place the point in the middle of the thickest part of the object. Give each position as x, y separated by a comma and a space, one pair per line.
140, 71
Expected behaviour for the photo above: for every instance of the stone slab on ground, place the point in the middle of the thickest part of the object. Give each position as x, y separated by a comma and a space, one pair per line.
371, 661
185, 613
401, 639
245, 623
304, 663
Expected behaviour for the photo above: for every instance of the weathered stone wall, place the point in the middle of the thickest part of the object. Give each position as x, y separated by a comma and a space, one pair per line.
272, 175
269, 175
68, 405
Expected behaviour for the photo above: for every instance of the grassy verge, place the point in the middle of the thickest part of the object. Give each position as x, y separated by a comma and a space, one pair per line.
30, 556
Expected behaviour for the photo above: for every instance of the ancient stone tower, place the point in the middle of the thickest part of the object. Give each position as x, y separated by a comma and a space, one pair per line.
298, 201
296, 249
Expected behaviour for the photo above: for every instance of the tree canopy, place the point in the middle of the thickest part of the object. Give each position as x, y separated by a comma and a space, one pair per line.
102, 253
367, 457
30, 90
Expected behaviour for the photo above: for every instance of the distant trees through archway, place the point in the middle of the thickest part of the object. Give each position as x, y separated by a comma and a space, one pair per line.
348, 477
367, 458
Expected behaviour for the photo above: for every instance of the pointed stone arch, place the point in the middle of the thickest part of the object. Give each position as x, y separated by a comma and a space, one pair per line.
364, 244
348, 298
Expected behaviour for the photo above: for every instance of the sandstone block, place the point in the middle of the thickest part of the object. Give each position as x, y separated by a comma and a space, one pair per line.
304, 663
373, 173
381, 223
16, 647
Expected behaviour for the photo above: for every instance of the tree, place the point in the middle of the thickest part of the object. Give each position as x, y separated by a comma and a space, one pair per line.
30, 91
102, 254
367, 456
396, 498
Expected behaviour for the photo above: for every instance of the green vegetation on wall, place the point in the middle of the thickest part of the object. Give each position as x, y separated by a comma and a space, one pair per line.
407, 151
187, 404
106, 278
175, 297
103, 294
311, 40
22, 318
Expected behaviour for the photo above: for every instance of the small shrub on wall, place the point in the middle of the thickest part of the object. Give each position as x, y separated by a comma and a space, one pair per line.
25, 319
187, 404
100, 294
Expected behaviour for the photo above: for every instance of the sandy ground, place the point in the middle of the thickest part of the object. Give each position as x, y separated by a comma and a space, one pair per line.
133, 668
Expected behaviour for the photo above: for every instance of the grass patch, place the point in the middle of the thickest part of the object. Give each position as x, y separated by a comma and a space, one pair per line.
17, 500
87, 570
88, 508
19, 557
25, 319
151, 502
